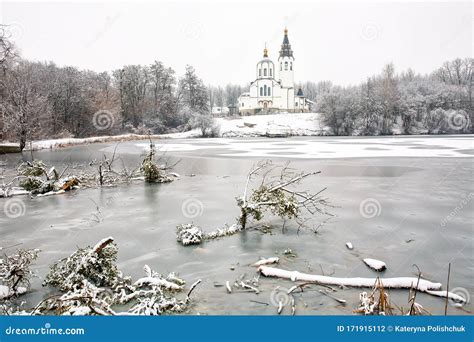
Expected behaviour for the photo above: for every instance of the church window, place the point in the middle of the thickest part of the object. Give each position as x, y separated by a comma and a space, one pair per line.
269, 94
243, 104
261, 91
291, 65
265, 72
296, 104
265, 90
259, 72
286, 66
270, 71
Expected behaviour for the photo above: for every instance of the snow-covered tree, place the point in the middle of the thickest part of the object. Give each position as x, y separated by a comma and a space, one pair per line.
340, 108
132, 82
7, 48
387, 92
23, 105
232, 93
163, 83
193, 93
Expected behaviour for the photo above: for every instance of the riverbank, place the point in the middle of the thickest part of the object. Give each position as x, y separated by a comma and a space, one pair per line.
272, 125
303, 124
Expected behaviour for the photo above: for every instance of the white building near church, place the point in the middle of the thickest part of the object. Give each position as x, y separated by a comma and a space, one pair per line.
273, 89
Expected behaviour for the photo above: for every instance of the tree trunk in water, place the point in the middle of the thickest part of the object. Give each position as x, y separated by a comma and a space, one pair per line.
22, 141
243, 218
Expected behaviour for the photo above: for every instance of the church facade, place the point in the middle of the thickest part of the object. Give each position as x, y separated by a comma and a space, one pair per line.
273, 90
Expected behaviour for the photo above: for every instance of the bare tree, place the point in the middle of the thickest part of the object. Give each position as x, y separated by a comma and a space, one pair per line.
193, 92
132, 82
386, 89
23, 105
7, 48
459, 72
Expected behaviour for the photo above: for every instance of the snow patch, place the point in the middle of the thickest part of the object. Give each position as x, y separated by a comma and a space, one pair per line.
375, 264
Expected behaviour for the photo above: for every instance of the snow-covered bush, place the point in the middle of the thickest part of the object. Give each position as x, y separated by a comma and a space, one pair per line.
152, 172
92, 285
36, 168
281, 204
15, 273
33, 177
94, 264
207, 125
189, 234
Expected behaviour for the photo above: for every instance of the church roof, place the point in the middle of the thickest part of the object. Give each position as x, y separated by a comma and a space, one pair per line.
300, 93
286, 46
265, 60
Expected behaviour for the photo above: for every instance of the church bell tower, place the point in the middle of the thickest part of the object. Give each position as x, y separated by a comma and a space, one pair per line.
286, 62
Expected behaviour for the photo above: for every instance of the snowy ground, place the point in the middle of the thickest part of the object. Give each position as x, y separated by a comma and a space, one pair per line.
304, 124
293, 124
65, 142
289, 124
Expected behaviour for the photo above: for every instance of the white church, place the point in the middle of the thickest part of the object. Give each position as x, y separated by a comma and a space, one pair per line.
273, 90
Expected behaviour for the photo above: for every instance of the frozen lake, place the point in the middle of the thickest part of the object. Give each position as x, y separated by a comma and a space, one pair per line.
418, 182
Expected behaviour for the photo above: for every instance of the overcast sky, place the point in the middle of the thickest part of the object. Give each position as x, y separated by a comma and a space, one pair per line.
341, 42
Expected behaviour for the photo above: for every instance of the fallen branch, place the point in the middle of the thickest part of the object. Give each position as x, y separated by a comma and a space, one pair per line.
448, 295
159, 282
191, 289
339, 300
15, 273
189, 234
275, 195
273, 260
227, 285
400, 283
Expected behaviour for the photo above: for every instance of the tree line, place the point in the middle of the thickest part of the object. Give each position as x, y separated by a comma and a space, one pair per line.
41, 100
404, 103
